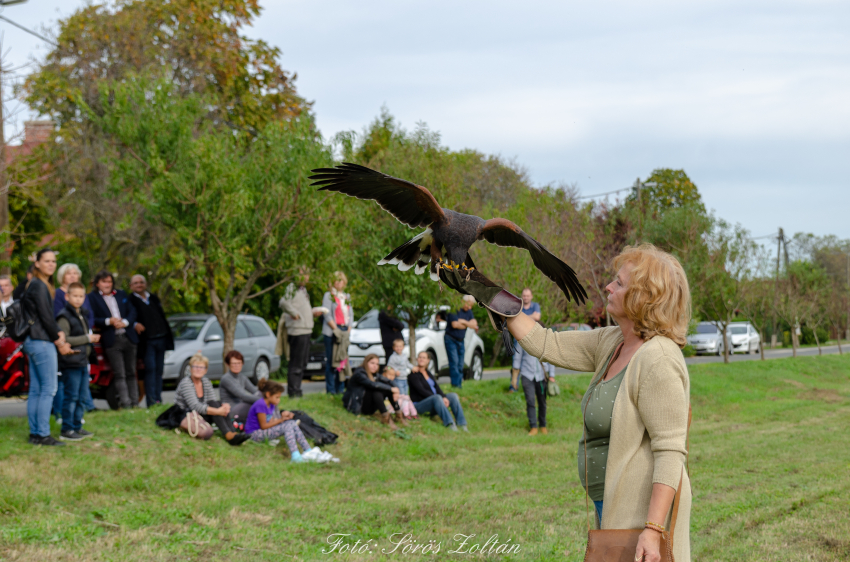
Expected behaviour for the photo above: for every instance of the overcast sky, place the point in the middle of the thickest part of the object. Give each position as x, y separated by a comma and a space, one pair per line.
751, 99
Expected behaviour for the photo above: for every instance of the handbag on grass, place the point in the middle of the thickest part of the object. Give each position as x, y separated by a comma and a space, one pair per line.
620, 545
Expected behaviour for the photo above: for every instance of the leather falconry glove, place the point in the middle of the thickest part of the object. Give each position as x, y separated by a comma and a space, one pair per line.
499, 303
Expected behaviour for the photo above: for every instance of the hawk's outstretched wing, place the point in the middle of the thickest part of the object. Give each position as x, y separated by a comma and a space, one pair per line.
503, 232
411, 204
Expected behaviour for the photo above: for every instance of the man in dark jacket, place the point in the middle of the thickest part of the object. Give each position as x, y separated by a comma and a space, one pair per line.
429, 398
115, 317
390, 331
155, 337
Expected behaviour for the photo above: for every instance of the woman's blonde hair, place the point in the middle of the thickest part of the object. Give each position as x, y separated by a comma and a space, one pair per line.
199, 359
658, 299
65, 268
338, 276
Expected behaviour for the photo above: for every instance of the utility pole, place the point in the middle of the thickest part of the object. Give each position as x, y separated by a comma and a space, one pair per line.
779, 239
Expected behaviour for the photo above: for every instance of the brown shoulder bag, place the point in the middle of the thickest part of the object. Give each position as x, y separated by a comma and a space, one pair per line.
619, 545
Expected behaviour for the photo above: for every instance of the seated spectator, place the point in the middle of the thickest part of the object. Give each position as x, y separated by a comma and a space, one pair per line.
401, 365
405, 404
429, 398
266, 424
195, 394
367, 390
235, 388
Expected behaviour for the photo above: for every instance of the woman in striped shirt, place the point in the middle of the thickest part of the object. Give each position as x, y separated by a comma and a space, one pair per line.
195, 394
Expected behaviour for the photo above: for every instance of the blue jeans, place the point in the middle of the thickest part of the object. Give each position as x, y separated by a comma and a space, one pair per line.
455, 351
402, 386
332, 383
598, 506
43, 363
434, 405
88, 402
73, 408
154, 364
59, 397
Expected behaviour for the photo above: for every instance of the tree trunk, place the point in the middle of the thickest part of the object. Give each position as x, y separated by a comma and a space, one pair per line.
794, 342
726, 340
761, 345
411, 338
817, 341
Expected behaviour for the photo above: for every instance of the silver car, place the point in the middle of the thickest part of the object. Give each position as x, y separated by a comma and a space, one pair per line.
202, 332
707, 339
743, 338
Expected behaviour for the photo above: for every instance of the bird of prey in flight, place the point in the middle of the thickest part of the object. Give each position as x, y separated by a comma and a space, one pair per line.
448, 234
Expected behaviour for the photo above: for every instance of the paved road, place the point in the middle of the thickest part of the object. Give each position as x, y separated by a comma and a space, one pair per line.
18, 408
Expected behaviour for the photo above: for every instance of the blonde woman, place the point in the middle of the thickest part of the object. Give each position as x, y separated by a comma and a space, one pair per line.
195, 394
340, 315
636, 408
66, 274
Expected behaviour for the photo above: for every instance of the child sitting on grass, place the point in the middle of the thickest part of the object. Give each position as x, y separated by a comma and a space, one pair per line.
405, 405
265, 423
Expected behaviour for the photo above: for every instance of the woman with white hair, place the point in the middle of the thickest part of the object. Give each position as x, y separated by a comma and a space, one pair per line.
456, 326
66, 274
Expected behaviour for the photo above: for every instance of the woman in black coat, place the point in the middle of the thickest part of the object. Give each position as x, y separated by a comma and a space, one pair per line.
367, 391
40, 345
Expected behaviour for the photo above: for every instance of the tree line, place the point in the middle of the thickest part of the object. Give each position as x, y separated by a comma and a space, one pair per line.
182, 151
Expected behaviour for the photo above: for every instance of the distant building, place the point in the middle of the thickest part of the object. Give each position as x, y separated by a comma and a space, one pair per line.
35, 133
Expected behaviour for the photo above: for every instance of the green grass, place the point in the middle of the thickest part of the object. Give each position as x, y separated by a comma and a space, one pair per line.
770, 466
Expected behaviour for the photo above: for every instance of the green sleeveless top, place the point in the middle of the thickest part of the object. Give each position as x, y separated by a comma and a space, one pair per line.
598, 408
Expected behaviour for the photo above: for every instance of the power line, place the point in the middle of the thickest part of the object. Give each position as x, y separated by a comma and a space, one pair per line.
30, 31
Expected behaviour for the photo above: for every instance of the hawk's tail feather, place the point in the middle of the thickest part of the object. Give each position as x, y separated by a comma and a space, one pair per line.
415, 252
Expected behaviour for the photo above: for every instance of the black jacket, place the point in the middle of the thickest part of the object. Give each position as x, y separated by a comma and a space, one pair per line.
79, 327
390, 329
101, 314
39, 306
155, 308
358, 384
419, 387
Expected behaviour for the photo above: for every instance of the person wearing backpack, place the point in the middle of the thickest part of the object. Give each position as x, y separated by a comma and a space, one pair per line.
42, 340
74, 367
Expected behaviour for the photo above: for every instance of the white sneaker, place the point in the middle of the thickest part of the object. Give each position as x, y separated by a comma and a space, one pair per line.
312, 455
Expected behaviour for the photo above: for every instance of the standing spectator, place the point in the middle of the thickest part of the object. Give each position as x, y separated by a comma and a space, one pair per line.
235, 388
6, 290
429, 398
298, 319
529, 308
115, 316
458, 322
154, 334
74, 367
340, 315
391, 328
66, 274
18, 293
533, 378
41, 345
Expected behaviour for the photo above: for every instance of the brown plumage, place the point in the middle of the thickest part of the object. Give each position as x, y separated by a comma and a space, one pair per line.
447, 233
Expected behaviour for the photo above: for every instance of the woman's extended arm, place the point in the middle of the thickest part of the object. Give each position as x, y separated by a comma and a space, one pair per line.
649, 543
520, 325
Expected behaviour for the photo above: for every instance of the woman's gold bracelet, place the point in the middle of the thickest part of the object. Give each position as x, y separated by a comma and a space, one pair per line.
654, 527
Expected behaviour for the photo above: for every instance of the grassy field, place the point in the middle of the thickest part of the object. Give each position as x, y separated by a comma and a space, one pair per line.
770, 466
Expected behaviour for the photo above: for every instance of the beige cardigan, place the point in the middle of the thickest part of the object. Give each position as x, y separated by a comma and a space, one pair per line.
648, 428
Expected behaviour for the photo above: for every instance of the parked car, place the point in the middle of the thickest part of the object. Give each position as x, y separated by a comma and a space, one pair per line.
743, 338
366, 338
707, 339
202, 332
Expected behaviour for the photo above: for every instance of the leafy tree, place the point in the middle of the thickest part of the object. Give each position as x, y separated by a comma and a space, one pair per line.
800, 290
203, 46
238, 205
759, 294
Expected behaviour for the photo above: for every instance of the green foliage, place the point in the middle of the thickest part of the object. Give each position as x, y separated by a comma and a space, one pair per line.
666, 189
238, 205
